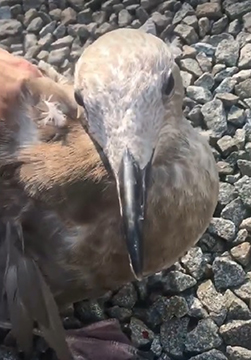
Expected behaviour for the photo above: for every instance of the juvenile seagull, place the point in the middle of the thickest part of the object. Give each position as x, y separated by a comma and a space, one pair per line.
131, 92
62, 199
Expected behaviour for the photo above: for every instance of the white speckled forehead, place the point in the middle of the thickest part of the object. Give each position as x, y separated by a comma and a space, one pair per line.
120, 77
120, 55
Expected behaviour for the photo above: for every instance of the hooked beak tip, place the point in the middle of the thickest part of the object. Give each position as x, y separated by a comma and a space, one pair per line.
132, 191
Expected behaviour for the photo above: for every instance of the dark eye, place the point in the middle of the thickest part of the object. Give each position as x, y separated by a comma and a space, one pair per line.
79, 98
168, 85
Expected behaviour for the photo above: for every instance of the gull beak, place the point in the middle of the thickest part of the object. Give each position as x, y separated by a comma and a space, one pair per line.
132, 191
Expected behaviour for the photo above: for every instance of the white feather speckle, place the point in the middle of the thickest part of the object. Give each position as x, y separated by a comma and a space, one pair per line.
54, 116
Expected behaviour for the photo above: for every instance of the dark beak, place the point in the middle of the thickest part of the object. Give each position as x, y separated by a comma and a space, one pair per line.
132, 187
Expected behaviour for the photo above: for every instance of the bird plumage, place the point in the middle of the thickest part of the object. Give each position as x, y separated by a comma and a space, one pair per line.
57, 187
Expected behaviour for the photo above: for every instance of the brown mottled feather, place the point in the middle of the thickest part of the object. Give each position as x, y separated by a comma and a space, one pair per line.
66, 201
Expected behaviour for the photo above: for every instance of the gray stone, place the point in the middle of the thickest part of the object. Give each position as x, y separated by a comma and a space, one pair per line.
43, 55
231, 179
227, 52
124, 18
228, 99
120, 313
156, 347
65, 41
237, 309
219, 25
8, 353
241, 253
45, 42
141, 335
227, 273
246, 224
35, 25
16, 10
125, 297
204, 62
234, 27
236, 116
204, 26
210, 355
227, 193
60, 31
226, 86
187, 33
210, 10
212, 300
243, 38
242, 75
175, 306
56, 14
57, 57
215, 117
68, 16
237, 333
142, 14
204, 337
238, 353
244, 166
226, 73
223, 228
243, 186
48, 29
199, 94
32, 4
234, 211
208, 49
29, 41
104, 28
247, 22
99, 17
240, 139
32, 52
227, 145
224, 168
245, 57
195, 116
194, 262
191, 66
215, 40
176, 281
84, 17
185, 10
173, 334
78, 5
191, 21
5, 13
238, 9
161, 21
187, 78
206, 81
244, 291
218, 68
80, 30
195, 307
241, 237
10, 28
92, 310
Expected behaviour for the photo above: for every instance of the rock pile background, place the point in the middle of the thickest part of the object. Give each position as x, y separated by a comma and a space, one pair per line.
200, 309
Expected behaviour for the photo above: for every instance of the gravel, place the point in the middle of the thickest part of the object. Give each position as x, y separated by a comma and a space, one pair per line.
200, 309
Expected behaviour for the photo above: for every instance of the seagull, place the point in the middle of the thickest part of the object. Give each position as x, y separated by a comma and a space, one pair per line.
129, 88
103, 181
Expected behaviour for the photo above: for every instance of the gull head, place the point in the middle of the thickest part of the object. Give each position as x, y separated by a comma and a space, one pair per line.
127, 84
